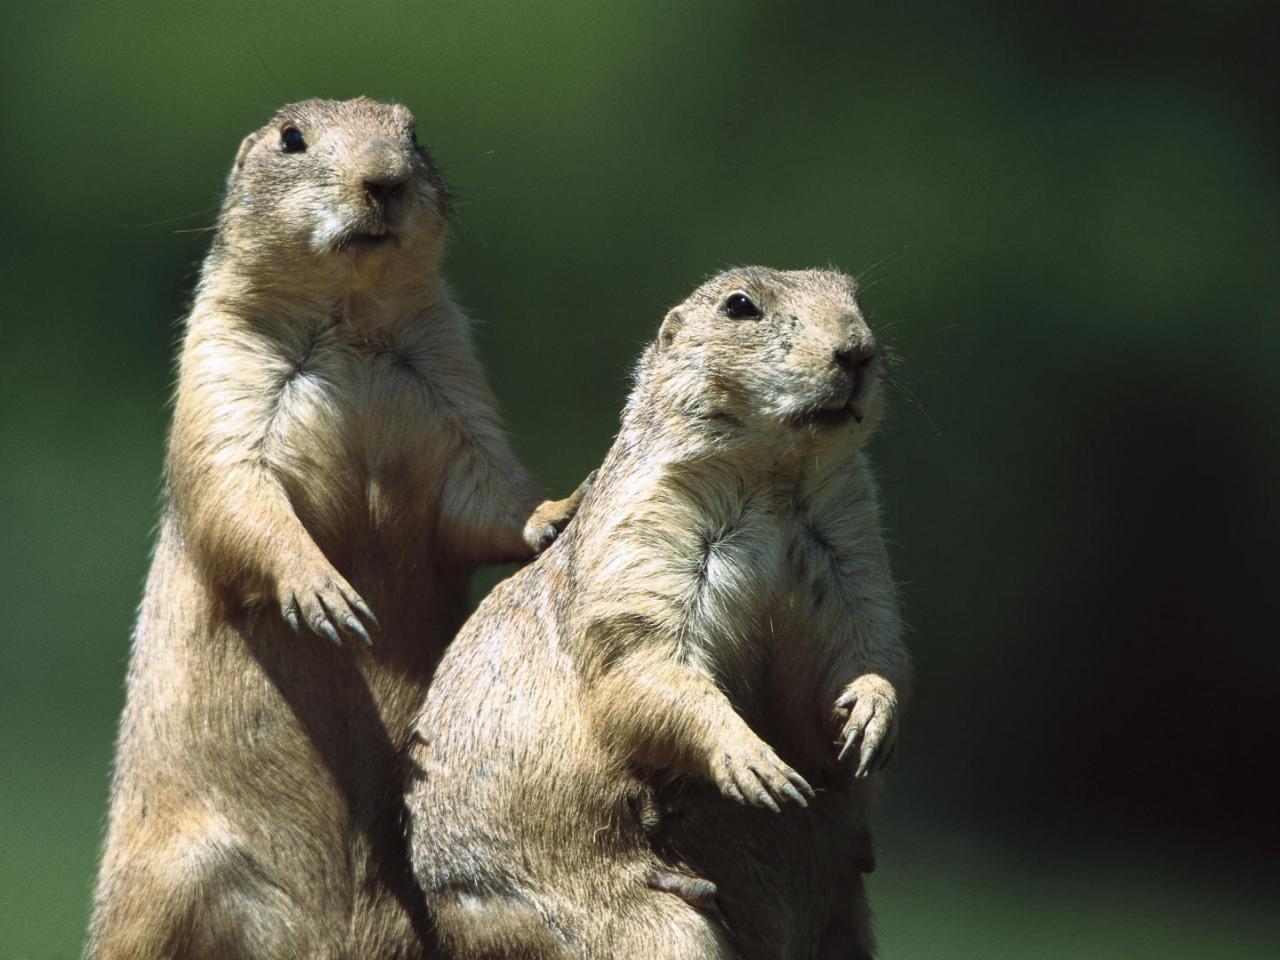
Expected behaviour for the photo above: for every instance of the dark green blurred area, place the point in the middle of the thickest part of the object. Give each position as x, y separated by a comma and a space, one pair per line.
1068, 218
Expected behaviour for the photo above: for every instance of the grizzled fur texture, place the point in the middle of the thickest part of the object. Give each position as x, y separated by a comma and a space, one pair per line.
335, 456
661, 739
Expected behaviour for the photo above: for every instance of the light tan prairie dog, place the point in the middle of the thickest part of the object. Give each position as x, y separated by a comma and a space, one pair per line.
661, 738
336, 471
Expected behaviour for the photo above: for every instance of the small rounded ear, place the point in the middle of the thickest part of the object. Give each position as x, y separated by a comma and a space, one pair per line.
402, 114
245, 146
671, 325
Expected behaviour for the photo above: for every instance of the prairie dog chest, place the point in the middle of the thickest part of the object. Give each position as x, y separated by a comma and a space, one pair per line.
734, 564
771, 574
770, 546
819, 559
372, 392
352, 421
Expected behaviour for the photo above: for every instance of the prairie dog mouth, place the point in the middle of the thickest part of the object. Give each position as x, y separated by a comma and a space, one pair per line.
844, 403
836, 411
831, 416
367, 240
364, 236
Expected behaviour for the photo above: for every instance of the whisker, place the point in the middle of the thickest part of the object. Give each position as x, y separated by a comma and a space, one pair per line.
893, 360
263, 62
455, 216
203, 211
871, 274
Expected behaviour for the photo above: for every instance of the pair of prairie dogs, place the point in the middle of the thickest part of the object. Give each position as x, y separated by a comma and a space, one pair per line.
655, 741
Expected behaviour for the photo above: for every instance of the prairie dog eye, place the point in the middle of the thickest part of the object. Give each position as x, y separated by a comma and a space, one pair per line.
292, 141
739, 305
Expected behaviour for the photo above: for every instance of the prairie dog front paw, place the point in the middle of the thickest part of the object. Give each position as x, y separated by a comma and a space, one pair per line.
545, 524
754, 775
552, 516
312, 592
867, 712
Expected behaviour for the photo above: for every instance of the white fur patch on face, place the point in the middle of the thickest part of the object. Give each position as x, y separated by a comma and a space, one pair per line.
329, 227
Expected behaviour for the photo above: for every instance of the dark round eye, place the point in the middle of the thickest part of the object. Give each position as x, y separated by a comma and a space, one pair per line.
739, 305
292, 141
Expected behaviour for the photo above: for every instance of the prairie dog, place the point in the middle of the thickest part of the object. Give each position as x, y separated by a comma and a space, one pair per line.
336, 470
691, 692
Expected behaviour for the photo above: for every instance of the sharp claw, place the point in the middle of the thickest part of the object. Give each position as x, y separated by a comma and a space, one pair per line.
356, 627
864, 765
291, 618
868, 763
330, 616
330, 631
848, 743
362, 608
732, 792
802, 785
793, 794
767, 801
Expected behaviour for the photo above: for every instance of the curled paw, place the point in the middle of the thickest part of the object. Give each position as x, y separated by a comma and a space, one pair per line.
322, 600
540, 531
867, 712
758, 778
552, 516
693, 890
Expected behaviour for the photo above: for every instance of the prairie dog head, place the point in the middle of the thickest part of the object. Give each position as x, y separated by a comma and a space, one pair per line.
771, 355
334, 183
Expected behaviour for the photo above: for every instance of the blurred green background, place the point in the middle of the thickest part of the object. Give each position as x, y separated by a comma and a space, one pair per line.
1068, 219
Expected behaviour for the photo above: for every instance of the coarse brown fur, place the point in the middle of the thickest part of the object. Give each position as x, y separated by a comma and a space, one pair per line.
662, 737
335, 454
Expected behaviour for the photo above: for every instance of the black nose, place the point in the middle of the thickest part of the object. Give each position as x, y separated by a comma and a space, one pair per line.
382, 188
854, 358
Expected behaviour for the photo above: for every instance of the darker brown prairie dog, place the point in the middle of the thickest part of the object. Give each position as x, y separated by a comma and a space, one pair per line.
336, 470
661, 738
